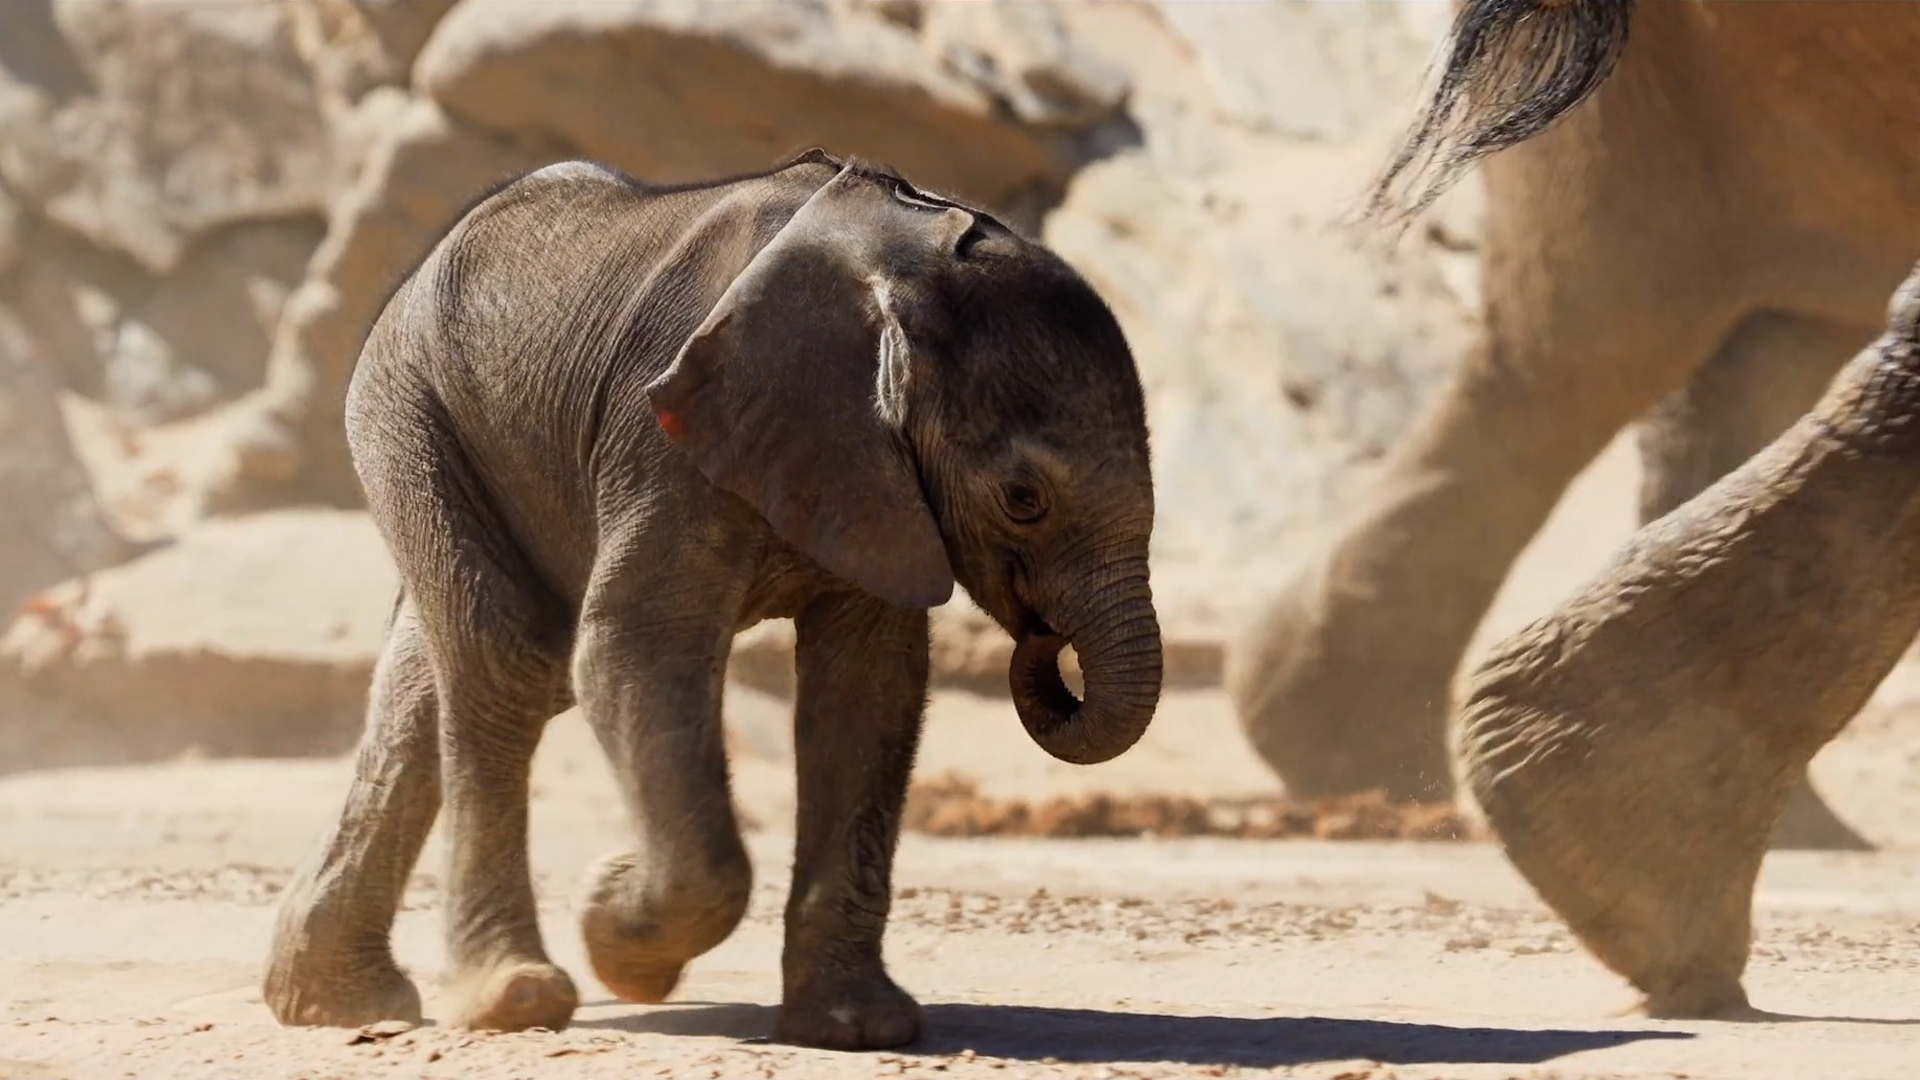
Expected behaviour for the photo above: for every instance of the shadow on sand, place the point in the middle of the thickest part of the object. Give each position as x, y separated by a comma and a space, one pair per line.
1090, 1035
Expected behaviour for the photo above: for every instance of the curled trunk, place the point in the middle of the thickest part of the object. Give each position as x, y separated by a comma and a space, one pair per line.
1118, 641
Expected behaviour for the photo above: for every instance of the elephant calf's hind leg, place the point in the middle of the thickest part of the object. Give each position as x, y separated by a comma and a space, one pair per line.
331, 962
652, 694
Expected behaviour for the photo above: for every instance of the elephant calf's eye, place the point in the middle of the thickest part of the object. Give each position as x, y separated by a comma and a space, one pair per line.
1024, 502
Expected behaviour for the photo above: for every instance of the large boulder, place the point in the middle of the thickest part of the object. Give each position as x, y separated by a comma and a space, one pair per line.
355, 46
52, 526
158, 349
1282, 353
678, 90
140, 125
253, 636
288, 440
164, 178
1163, 148
666, 90
284, 440
1304, 70
216, 314
1025, 56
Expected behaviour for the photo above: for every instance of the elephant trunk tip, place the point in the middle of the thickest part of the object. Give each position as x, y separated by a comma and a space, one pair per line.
1120, 700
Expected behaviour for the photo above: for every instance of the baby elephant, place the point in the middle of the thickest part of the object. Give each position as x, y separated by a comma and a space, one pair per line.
607, 425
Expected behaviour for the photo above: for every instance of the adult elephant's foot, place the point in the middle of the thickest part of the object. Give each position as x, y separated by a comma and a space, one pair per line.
1708, 995
1636, 749
513, 995
326, 971
1638, 811
1809, 824
640, 934
860, 1009
1341, 692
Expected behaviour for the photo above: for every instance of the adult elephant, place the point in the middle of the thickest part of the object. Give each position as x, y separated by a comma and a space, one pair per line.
1635, 747
1692, 230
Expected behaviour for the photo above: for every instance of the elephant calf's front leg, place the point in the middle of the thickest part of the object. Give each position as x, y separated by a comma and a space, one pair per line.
862, 668
653, 698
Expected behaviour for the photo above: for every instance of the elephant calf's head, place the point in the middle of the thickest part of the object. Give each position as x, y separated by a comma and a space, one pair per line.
913, 394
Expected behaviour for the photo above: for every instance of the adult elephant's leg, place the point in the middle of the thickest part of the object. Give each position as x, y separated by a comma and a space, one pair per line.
1636, 748
1770, 372
1343, 683
1763, 378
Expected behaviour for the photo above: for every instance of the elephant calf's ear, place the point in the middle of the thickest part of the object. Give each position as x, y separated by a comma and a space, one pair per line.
774, 399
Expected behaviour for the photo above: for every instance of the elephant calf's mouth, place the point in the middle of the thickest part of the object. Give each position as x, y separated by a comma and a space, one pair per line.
1035, 680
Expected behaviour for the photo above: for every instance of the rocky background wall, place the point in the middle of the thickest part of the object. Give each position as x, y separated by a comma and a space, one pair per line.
203, 204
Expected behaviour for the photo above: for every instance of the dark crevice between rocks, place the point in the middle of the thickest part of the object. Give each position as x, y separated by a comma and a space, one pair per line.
58, 266
33, 51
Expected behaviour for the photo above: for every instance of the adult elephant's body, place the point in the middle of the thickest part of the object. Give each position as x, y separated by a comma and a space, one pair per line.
1698, 244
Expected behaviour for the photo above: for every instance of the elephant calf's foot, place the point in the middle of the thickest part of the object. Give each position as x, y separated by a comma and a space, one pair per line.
640, 944
322, 973
301, 995
854, 1010
512, 996
640, 980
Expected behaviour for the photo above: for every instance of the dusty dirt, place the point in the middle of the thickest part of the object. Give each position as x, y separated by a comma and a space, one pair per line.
953, 805
135, 904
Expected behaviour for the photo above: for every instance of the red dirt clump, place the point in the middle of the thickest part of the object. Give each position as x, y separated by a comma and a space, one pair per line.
954, 806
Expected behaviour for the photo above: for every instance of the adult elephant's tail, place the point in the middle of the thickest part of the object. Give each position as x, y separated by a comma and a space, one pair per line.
1513, 67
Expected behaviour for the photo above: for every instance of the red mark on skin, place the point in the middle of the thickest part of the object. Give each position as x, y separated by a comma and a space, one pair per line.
670, 423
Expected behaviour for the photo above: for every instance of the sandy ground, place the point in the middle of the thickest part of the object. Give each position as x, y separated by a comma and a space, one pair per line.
135, 905
137, 901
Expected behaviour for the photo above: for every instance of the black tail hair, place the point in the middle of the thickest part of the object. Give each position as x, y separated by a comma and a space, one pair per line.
1513, 68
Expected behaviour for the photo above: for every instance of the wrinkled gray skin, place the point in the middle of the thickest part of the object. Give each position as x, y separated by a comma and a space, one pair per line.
603, 428
1635, 747
1695, 238
1708, 213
